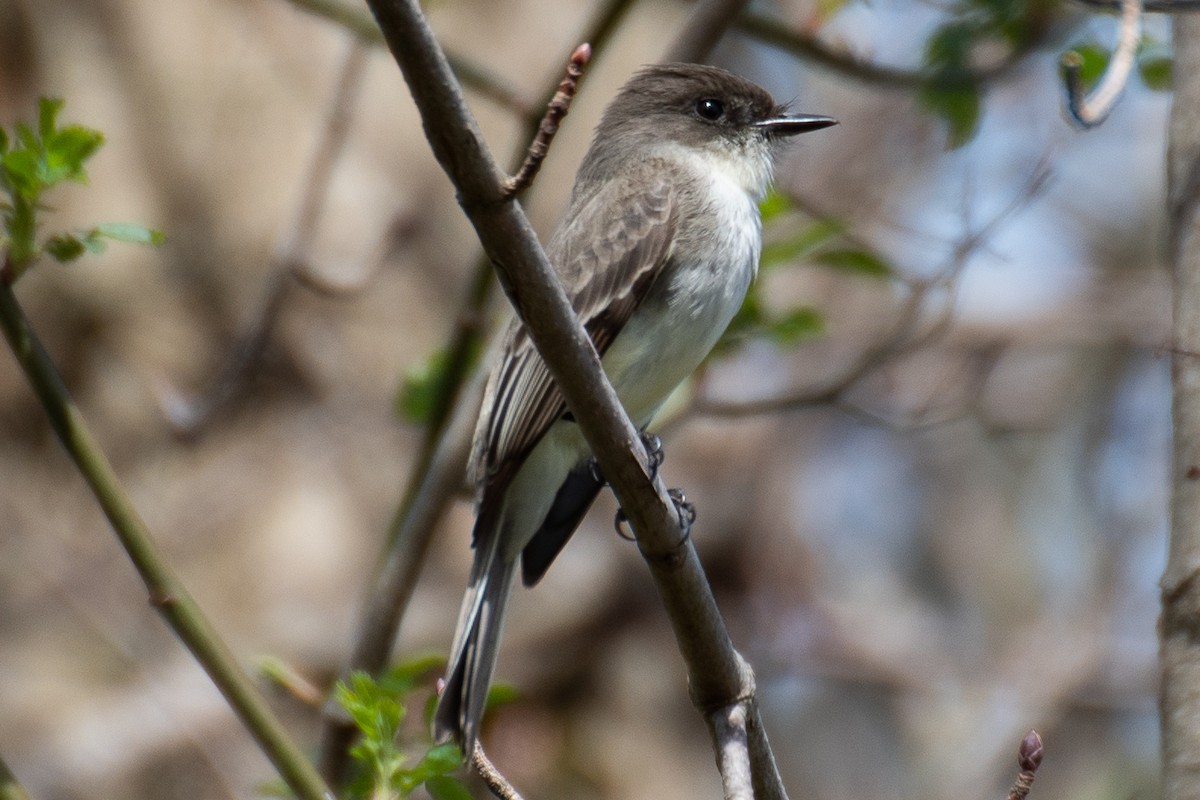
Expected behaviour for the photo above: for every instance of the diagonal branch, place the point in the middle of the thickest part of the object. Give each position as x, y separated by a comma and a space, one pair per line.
167, 594
719, 677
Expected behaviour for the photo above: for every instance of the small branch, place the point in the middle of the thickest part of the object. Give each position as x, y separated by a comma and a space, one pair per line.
473, 75
556, 110
775, 33
728, 727
1029, 758
167, 594
1163, 6
290, 266
495, 781
900, 338
1088, 112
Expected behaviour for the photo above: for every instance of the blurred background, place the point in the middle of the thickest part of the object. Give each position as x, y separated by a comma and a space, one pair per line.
931, 473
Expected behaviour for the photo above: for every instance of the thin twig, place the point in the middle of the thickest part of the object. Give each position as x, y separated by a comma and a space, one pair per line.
556, 110
1029, 758
190, 417
900, 338
733, 751
1163, 6
1089, 111
775, 33
495, 780
167, 594
475, 76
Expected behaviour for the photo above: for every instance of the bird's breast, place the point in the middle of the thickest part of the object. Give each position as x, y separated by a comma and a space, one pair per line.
712, 263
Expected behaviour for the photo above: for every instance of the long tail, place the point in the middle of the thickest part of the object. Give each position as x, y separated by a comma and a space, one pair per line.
476, 644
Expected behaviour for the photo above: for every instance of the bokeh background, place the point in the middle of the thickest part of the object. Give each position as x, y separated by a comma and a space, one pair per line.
960, 543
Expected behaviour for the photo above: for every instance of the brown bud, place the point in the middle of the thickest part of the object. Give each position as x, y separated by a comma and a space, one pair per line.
1029, 754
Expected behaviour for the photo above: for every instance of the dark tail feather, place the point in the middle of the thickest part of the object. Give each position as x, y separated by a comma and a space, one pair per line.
473, 657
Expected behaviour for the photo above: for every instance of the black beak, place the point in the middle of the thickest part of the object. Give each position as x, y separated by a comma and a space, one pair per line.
792, 125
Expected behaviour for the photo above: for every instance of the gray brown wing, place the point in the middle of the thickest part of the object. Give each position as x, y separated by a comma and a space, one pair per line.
606, 275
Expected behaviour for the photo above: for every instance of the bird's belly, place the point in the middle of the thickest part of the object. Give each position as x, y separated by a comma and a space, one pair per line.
651, 356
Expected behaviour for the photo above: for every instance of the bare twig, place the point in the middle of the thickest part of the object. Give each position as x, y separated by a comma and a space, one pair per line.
809, 47
475, 76
495, 780
733, 751
1090, 111
167, 594
900, 338
1163, 6
189, 418
557, 108
1029, 758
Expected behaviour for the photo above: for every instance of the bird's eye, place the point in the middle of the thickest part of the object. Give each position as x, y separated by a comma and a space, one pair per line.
710, 109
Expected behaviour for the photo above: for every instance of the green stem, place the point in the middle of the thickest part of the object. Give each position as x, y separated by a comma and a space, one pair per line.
10, 788
167, 593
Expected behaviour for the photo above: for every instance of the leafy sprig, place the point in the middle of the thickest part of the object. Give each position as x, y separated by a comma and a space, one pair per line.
35, 159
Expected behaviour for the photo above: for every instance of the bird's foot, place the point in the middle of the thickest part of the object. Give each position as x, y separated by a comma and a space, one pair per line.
654, 449
685, 511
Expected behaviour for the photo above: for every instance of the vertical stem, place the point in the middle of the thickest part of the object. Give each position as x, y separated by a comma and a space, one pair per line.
167, 593
1179, 697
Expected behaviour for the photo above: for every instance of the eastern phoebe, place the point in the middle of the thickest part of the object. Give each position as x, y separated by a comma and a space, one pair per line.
656, 251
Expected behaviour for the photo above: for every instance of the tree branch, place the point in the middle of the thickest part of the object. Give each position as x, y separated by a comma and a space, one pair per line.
167, 594
439, 467
775, 33
718, 676
1089, 111
1179, 651
189, 418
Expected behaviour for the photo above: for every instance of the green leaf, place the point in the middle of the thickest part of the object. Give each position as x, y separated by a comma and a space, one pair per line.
402, 678
443, 787
48, 108
959, 108
802, 244
500, 694
441, 759
420, 389
797, 325
858, 261
1157, 72
131, 232
22, 173
66, 152
774, 204
65, 247
1091, 59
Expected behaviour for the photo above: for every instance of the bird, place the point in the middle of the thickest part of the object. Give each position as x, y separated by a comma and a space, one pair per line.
656, 251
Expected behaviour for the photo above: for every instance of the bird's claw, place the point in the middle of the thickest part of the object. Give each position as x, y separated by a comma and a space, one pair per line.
685, 511
654, 449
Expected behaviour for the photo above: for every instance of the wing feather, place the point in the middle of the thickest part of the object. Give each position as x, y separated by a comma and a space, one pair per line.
606, 275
